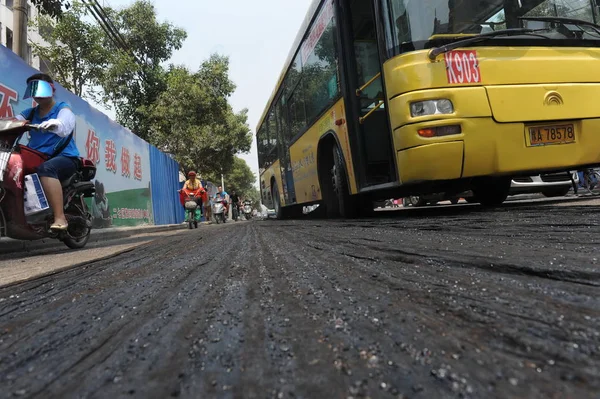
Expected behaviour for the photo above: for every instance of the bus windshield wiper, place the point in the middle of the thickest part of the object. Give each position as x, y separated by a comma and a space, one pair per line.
434, 52
564, 21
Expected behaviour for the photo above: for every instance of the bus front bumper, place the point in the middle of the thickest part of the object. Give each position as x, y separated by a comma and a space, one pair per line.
488, 148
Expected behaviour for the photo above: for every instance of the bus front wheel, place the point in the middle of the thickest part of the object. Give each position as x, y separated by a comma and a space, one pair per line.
276, 201
333, 180
344, 203
288, 212
491, 191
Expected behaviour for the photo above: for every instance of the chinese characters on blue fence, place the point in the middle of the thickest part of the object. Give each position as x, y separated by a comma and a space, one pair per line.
92, 146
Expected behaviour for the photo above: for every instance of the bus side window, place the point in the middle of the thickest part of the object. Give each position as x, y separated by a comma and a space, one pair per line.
319, 74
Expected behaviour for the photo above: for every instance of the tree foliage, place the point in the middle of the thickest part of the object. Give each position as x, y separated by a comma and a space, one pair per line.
254, 195
193, 120
240, 179
74, 50
51, 8
182, 112
134, 83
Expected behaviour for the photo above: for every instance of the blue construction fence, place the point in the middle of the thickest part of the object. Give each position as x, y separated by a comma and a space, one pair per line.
135, 182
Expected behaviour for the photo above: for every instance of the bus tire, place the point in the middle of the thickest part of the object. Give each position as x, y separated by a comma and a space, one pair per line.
337, 198
347, 204
491, 191
288, 212
276, 201
329, 207
293, 212
365, 207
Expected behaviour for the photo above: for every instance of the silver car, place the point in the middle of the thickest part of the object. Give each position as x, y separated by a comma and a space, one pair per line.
549, 184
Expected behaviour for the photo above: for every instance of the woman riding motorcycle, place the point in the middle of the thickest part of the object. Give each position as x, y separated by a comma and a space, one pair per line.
57, 122
223, 197
193, 186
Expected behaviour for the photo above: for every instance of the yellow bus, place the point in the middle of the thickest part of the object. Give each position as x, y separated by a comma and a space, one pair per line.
388, 98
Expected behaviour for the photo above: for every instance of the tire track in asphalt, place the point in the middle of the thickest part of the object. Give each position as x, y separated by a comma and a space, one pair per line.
377, 307
339, 239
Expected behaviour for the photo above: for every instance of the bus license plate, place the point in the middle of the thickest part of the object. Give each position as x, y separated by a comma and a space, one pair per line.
551, 134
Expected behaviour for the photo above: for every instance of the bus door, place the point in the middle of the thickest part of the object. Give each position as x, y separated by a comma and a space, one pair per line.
365, 98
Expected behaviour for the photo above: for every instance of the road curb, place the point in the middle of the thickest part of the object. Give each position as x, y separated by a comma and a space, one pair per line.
10, 246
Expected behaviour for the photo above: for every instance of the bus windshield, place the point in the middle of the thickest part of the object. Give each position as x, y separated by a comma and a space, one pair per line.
412, 23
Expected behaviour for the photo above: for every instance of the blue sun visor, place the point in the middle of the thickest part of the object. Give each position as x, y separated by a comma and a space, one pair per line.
38, 89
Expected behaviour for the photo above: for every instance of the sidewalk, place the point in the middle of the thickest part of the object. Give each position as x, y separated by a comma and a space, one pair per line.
8, 245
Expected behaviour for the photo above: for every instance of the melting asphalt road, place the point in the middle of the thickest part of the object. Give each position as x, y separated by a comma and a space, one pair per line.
430, 303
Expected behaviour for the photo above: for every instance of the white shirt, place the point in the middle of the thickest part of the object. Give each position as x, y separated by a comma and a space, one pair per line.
65, 122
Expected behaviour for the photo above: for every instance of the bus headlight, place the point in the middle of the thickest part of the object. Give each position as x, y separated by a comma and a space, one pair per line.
431, 107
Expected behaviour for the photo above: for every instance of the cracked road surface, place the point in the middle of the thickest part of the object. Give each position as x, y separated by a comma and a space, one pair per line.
423, 303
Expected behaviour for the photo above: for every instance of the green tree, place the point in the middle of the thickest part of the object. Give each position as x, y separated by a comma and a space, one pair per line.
51, 8
549, 9
193, 120
134, 84
182, 113
239, 179
74, 50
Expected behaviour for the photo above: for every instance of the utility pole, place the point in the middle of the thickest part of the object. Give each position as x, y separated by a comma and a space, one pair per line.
20, 17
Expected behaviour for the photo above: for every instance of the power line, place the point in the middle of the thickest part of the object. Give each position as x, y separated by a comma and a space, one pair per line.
116, 33
102, 24
108, 27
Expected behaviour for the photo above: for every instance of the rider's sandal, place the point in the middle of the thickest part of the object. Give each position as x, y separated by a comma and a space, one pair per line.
59, 227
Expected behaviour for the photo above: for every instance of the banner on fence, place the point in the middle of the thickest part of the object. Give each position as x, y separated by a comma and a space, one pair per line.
123, 180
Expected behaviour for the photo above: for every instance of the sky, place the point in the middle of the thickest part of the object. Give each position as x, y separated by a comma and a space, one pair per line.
256, 35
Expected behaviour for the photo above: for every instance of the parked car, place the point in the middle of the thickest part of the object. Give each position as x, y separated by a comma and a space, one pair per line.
549, 184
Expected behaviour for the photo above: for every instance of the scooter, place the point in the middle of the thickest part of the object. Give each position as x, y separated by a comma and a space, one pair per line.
18, 164
247, 210
218, 210
192, 208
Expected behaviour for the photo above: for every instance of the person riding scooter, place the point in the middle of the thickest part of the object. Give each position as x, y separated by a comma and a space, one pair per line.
192, 188
193, 184
247, 208
223, 197
58, 124
235, 205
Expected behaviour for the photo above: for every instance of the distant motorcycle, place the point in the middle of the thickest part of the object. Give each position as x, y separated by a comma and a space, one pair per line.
248, 210
218, 210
